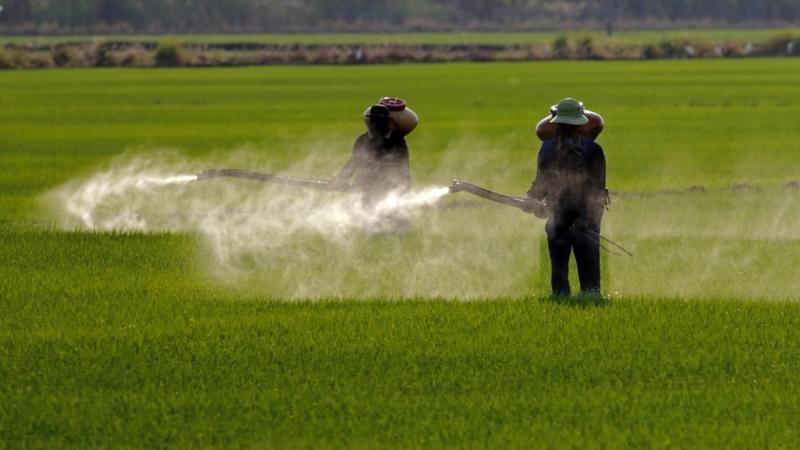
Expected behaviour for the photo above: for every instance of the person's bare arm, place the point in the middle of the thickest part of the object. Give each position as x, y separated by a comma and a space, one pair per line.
546, 130
594, 126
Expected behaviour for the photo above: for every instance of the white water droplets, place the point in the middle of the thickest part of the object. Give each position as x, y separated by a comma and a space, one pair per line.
235, 217
409, 201
103, 201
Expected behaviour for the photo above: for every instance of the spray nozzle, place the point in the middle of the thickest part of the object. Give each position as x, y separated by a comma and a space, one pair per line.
457, 186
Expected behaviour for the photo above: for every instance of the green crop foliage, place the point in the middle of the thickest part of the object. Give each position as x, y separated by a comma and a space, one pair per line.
134, 339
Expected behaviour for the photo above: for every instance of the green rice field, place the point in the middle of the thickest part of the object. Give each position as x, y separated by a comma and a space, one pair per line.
202, 321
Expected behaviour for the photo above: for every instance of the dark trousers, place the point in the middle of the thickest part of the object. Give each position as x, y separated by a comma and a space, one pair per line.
561, 241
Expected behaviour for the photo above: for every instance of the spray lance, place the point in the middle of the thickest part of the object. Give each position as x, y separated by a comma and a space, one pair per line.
324, 185
530, 205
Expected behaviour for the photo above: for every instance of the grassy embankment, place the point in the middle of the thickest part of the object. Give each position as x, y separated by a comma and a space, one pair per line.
633, 37
38, 52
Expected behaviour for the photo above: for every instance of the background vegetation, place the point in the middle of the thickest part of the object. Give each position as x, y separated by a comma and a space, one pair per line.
716, 35
180, 16
230, 50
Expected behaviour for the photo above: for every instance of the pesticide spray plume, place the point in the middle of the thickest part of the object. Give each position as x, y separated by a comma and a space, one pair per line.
125, 189
279, 224
86, 200
282, 240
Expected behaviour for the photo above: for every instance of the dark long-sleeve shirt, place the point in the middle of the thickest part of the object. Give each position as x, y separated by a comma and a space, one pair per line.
378, 165
571, 180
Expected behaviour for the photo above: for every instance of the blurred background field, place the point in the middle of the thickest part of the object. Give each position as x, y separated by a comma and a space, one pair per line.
75, 51
486, 37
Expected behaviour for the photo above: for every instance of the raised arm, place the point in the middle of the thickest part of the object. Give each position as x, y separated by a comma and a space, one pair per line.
591, 129
594, 126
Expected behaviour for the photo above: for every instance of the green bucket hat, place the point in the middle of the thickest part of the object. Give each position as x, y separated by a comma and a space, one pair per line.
569, 111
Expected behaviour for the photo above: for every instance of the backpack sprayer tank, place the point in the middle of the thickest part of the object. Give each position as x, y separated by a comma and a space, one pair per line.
404, 118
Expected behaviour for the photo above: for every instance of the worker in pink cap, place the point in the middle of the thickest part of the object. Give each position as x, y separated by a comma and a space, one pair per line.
379, 164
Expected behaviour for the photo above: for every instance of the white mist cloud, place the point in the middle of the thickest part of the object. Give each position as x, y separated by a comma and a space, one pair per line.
291, 242
237, 219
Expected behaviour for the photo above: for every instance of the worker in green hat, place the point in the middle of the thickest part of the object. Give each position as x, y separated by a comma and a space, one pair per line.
570, 190
547, 129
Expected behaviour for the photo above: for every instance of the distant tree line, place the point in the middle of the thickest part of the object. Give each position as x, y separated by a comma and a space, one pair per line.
179, 16
171, 53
